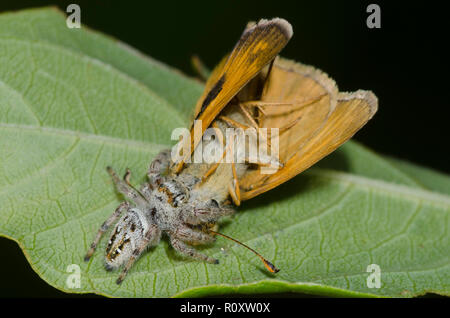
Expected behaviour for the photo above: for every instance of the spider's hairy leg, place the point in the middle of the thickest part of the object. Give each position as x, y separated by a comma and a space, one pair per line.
186, 234
206, 214
127, 177
124, 187
122, 207
151, 237
184, 249
159, 166
146, 190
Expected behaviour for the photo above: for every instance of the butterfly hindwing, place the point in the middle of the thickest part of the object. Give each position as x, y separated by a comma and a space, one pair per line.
325, 123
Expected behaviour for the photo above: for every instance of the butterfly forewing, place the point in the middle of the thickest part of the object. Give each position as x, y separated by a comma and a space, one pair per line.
258, 45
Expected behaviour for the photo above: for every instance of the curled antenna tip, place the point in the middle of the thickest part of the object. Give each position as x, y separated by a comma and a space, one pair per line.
270, 266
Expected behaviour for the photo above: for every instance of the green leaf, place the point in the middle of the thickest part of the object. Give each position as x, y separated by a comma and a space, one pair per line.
73, 101
426, 177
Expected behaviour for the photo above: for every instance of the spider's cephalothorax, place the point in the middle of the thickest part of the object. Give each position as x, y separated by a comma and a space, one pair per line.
166, 204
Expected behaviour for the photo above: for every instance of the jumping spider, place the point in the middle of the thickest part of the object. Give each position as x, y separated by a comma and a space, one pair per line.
165, 204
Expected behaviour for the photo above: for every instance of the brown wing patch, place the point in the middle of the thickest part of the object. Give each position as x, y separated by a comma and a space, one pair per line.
212, 80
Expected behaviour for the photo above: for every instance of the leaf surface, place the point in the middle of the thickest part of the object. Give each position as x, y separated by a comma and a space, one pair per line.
73, 101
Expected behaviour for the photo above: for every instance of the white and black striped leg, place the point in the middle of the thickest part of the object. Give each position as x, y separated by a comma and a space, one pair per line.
184, 249
122, 207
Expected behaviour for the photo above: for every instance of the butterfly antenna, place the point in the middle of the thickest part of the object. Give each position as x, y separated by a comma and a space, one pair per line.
268, 264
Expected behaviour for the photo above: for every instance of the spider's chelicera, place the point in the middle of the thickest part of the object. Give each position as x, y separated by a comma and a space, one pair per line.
165, 204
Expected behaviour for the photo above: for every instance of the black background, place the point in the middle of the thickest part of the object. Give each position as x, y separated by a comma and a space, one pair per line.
405, 63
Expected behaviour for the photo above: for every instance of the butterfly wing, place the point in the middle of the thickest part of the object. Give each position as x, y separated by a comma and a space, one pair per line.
259, 44
323, 119
212, 80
